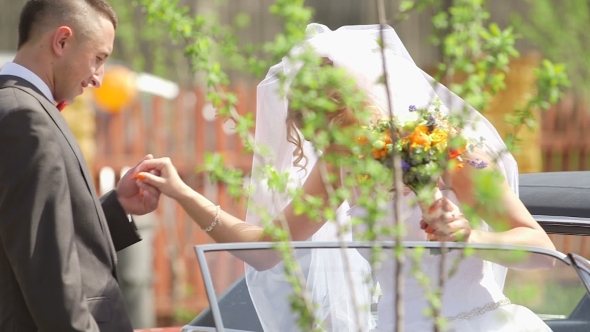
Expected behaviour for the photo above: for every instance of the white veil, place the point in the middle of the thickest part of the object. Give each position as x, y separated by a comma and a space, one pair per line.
354, 48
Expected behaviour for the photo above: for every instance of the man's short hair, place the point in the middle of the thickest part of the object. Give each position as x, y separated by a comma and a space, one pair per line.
39, 15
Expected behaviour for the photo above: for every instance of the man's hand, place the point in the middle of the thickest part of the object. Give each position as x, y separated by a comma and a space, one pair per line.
133, 199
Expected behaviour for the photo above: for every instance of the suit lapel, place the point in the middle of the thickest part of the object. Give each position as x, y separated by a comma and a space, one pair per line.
63, 126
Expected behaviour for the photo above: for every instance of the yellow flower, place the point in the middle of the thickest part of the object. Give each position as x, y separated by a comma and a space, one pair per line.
439, 139
362, 177
438, 136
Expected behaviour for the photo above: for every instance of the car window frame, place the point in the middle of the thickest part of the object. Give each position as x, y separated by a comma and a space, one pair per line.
582, 266
202, 250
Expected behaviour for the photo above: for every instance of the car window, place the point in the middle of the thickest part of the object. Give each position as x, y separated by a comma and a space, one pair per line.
552, 294
537, 289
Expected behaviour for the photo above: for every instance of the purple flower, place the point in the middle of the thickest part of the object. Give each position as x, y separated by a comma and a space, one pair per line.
477, 163
405, 166
412, 108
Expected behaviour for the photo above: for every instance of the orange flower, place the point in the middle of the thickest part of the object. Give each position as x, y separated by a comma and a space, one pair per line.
379, 150
456, 164
419, 138
454, 153
386, 138
363, 140
423, 129
377, 154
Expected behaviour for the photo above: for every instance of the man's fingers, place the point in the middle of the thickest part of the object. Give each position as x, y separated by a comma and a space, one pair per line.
147, 157
151, 200
141, 184
149, 189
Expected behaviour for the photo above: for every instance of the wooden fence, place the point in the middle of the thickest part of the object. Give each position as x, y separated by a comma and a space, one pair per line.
565, 140
565, 145
186, 128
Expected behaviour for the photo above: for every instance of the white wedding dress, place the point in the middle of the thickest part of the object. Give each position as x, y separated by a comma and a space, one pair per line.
472, 298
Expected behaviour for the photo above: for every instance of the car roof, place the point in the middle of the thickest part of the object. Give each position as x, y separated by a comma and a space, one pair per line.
560, 194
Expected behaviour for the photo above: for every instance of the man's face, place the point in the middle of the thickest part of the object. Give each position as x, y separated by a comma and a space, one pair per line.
82, 63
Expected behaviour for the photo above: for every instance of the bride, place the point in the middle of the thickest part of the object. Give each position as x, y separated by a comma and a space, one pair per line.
472, 300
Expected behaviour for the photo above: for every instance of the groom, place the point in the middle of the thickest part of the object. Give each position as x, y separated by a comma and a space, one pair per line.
57, 239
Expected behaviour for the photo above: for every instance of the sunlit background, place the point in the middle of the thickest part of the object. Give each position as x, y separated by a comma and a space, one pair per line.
151, 103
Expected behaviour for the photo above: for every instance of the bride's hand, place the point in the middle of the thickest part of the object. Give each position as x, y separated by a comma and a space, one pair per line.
451, 226
169, 182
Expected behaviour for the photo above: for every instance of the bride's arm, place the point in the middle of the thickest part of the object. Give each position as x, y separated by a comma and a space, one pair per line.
233, 229
229, 228
508, 214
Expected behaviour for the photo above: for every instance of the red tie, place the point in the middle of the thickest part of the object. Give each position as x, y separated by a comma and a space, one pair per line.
61, 105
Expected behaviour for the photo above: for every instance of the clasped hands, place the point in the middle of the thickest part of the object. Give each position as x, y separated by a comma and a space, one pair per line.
451, 226
159, 175
140, 188
133, 199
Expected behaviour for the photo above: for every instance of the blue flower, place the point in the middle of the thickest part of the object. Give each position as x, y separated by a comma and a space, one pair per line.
405, 166
412, 108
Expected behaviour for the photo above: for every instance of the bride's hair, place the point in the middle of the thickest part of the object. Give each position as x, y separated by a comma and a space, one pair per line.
343, 116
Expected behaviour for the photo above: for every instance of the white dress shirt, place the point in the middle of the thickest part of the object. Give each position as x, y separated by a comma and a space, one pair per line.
14, 69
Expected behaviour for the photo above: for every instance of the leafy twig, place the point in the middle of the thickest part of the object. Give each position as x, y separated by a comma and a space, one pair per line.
398, 184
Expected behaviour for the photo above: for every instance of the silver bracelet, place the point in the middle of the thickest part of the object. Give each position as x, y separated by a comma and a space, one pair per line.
215, 221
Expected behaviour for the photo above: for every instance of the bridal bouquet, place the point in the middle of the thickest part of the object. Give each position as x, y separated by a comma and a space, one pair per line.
428, 145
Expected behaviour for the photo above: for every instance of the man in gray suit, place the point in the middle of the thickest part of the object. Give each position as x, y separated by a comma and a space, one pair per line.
57, 239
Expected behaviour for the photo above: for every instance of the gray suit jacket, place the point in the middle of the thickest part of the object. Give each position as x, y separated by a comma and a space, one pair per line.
57, 239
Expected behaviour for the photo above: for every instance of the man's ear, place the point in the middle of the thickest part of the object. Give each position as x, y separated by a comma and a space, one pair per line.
62, 36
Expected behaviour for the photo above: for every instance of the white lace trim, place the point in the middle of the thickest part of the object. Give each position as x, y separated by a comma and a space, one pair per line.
480, 310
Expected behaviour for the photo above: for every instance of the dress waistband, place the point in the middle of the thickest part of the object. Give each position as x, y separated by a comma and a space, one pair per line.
480, 310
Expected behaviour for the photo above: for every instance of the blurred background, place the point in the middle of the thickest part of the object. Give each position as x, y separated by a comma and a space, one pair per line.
151, 103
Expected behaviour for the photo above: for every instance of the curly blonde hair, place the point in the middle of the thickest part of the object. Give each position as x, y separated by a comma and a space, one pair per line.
343, 116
